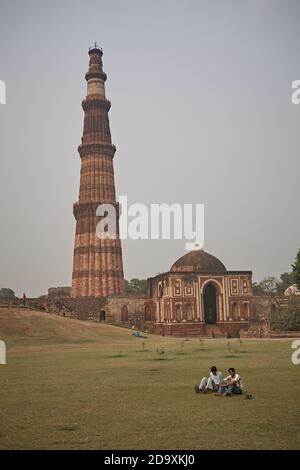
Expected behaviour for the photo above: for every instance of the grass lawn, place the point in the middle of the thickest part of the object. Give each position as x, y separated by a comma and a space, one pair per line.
69, 384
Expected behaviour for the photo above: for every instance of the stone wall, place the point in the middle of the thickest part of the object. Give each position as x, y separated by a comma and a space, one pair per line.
54, 292
86, 308
130, 311
182, 329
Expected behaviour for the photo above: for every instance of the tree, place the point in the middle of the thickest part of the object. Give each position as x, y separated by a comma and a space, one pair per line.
267, 286
6, 293
136, 286
264, 308
271, 285
286, 280
257, 288
288, 317
296, 270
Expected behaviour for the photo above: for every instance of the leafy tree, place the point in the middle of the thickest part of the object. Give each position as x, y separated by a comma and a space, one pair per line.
267, 286
6, 293
257, 288
286, 280
287, 318
136, 286
296, 270
271, 285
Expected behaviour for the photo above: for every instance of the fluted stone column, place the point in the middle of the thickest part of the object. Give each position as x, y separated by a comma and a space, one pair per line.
97, 264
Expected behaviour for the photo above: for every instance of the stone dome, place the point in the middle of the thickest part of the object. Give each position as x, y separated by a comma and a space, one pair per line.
198, 261
292, 290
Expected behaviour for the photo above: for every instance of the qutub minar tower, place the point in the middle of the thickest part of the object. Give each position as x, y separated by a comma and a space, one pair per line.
97, 264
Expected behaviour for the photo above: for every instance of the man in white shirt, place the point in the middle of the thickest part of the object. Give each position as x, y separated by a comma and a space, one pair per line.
213, 382
232, 384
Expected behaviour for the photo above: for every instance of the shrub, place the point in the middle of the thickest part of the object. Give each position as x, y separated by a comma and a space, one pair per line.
287, 318
6, 293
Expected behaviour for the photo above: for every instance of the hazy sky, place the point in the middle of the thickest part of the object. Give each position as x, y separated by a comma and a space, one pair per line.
201, 112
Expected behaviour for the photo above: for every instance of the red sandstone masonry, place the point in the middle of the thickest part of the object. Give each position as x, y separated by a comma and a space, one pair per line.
97, 264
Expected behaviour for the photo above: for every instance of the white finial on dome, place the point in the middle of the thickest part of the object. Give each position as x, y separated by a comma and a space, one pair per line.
196, 247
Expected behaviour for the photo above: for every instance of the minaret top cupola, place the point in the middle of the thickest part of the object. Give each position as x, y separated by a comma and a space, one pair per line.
95, 77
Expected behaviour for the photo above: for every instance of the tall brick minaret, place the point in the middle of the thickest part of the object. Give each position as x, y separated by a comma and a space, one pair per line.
97, 264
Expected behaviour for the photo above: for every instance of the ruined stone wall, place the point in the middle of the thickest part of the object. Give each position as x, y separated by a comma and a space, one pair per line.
182, 329
129, 311
179, 329
86, 308
54, 292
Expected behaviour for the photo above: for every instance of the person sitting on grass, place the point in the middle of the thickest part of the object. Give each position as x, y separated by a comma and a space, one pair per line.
232, 384
211, 383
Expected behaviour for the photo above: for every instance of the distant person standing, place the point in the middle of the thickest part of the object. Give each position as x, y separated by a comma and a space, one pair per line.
24, 299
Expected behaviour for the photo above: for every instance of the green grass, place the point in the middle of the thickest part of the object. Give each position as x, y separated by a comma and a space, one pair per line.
94, 390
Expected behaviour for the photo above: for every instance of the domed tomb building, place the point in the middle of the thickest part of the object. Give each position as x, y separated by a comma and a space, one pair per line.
199, 296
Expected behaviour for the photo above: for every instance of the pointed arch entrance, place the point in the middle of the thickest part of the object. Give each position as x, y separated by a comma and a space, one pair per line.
210, 304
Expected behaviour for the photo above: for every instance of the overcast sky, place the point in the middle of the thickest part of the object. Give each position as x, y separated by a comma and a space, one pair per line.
201, 113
